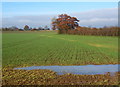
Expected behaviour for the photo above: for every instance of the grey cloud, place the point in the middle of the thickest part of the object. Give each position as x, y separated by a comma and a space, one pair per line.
33, 21
98, 18
100, 22
95, 18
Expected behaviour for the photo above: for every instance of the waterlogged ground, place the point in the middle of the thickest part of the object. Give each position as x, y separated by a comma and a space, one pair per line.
47, 77
24, 49
83, 69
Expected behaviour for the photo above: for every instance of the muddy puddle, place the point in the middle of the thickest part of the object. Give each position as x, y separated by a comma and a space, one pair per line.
82, 69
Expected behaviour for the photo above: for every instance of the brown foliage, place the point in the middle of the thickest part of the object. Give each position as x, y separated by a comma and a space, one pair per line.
110, 31
64, 22
69, 25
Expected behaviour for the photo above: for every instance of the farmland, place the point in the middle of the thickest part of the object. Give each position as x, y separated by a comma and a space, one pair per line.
49, 48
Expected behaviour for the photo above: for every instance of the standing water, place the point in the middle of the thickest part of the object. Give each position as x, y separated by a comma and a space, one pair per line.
82, 69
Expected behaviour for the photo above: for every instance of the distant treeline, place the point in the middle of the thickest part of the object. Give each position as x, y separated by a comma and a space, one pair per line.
26, 28
108, 31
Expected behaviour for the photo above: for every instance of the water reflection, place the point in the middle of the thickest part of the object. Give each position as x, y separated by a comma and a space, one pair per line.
83, 69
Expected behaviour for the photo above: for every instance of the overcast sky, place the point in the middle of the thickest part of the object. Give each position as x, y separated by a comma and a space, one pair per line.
36, 14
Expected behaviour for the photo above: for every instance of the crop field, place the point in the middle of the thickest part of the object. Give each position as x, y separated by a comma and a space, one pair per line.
30, 48
50, 48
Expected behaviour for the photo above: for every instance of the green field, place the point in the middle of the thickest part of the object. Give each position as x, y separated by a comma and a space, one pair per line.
29, 48
50, 48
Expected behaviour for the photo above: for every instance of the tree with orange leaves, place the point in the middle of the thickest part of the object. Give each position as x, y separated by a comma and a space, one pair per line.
65, 22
